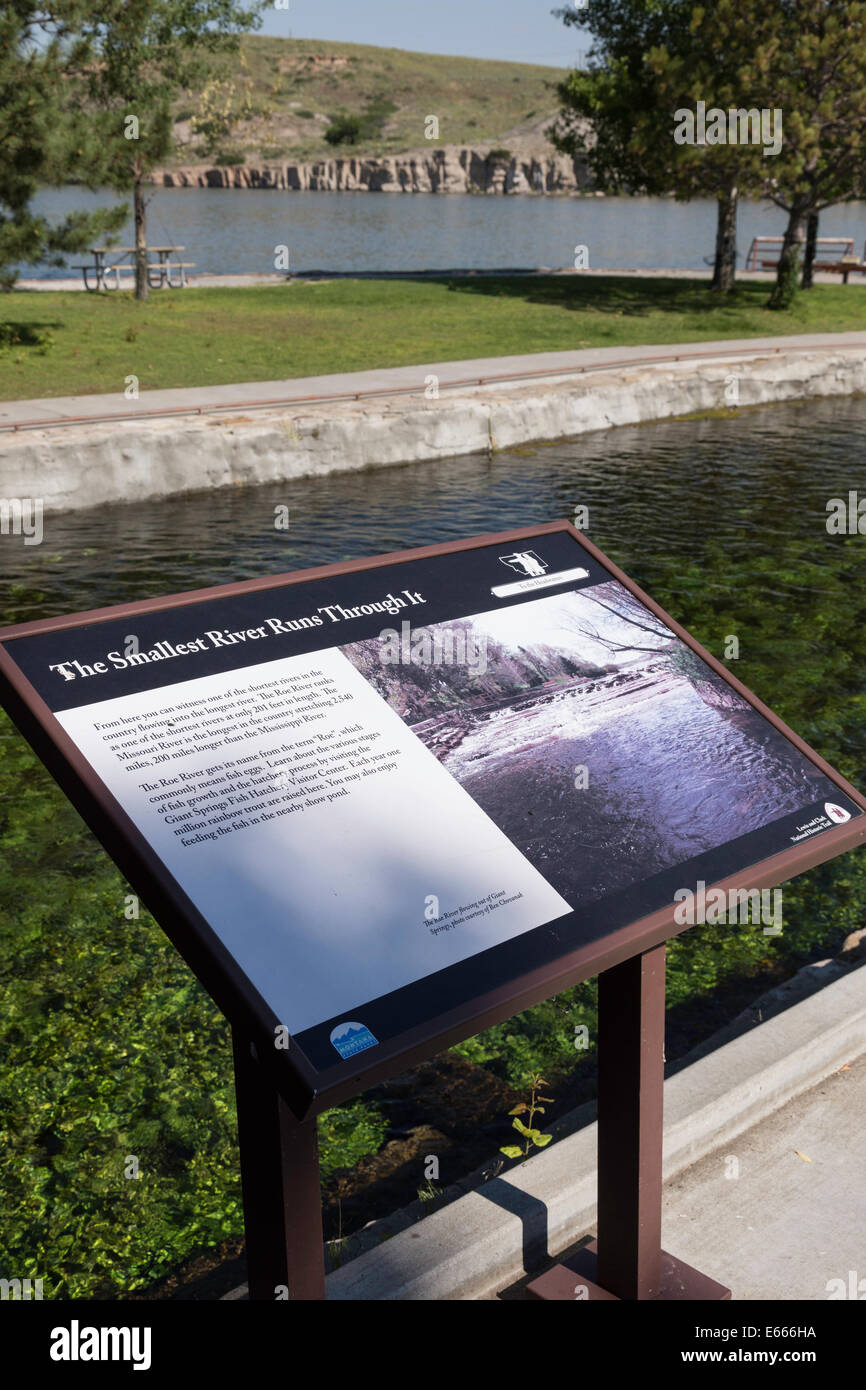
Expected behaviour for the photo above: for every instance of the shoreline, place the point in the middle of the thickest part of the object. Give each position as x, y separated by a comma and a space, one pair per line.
244, 279
378, 419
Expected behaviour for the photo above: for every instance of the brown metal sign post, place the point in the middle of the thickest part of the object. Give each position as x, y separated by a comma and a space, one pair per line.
281, 1187
631, 1041
365, 856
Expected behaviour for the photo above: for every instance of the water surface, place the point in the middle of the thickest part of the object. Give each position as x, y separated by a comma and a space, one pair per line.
228, 231
658, 495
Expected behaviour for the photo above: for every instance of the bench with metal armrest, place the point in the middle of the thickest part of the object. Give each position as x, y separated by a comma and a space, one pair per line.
834, 255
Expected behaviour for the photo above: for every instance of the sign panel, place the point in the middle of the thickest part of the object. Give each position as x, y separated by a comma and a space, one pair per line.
380, 805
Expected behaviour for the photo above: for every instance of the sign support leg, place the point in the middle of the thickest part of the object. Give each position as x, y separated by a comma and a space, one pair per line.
626, 1261
281, 1188
631, 1041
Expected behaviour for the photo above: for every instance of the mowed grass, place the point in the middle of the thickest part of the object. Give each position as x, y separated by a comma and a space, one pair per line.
71, 343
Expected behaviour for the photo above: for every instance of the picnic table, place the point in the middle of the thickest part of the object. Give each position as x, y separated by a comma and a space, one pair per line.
160, 273
834, 254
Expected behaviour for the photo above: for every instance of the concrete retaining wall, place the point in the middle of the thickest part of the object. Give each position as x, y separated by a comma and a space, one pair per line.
82, 465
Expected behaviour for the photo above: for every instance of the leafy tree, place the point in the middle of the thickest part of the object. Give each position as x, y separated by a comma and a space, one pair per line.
44, 138
222, 103
601, 102
807, 63
147, 53
652, 57
726, 63
649, 60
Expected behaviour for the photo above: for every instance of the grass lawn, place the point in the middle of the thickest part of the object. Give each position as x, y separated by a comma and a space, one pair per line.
58, 344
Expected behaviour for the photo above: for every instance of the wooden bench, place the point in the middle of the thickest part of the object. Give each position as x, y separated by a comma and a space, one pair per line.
835, 255
847, 266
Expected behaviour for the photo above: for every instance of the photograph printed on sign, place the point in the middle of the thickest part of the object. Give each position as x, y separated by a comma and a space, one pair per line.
596, 739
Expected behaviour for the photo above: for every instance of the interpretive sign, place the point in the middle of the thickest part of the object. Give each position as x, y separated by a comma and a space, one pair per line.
381, 805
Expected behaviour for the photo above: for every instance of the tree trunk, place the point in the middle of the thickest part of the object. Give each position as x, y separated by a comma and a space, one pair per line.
141, 287
725, 269
785, 288
811, 248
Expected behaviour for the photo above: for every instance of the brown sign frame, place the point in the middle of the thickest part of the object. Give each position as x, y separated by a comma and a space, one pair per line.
309, 1092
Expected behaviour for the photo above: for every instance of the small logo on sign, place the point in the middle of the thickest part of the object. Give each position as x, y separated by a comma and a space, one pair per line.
836, 813
525, 562
349, 1038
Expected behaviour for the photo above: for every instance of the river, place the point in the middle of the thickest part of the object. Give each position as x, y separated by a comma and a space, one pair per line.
685, 502
227, 231
723, 520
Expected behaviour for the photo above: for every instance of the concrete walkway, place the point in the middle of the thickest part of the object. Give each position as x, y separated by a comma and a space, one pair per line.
460, 375
795, 1217
779, 1212
74, 452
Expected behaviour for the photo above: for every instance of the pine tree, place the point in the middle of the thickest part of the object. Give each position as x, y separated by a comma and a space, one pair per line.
821, 86
45, 138
146, 53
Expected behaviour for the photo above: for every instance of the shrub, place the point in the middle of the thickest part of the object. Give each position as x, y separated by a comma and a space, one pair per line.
230, 155
348, 130
343, 130
13, 335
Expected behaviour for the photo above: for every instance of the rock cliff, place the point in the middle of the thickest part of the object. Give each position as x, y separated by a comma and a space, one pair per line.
449, 170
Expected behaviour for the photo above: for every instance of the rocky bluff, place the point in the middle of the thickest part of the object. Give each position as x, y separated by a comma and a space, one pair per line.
452, 169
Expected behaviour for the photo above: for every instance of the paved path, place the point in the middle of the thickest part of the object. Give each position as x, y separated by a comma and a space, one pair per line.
394, 380
795, 1216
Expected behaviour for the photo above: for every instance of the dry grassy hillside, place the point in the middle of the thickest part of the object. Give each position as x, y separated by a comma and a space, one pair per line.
277, 98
